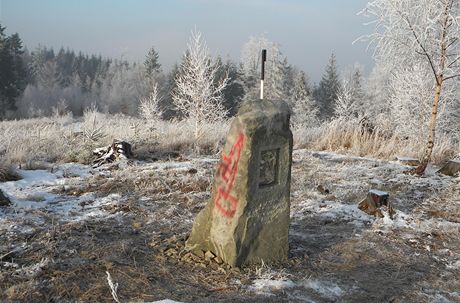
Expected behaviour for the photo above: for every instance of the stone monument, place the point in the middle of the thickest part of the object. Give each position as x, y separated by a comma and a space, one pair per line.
246, 221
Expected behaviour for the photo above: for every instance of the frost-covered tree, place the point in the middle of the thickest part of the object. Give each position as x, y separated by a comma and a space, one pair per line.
377, 98
304, 111
350, 102
275, 68
357, 89
345, 106
413, 32
149, 107
197, 95
409, 103
122, 88
328, 89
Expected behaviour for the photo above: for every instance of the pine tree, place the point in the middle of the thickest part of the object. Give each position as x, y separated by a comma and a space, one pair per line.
167, 104
151, 64
328, 89
13, 73
234, 91
356, 83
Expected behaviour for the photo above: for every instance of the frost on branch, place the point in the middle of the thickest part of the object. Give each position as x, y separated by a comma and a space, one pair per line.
149, 107
423, 36
197, 95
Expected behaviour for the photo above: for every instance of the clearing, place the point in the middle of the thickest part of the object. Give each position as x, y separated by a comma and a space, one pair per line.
70, 224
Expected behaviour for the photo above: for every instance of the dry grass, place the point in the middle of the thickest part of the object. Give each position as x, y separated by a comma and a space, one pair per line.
347, 136
29, 143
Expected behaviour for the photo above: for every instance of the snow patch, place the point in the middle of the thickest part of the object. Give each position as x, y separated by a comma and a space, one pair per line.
454, 265
325, 289
165, 301
268, 286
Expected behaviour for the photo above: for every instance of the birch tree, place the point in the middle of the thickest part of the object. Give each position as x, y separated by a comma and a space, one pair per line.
197, 95
409, 32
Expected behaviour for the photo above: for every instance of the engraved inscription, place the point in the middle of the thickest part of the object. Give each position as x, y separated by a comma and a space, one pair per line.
268, 167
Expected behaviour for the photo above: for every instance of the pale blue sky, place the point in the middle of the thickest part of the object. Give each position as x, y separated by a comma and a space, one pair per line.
307, 30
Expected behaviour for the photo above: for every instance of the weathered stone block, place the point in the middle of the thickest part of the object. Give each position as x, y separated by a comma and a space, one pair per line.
246, 221
450, 168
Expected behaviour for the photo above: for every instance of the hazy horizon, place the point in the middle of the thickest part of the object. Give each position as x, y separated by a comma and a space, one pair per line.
307, 31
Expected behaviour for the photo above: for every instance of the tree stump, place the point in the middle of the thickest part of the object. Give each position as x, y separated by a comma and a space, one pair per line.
374, 202
450, 168
117, 150
408, 161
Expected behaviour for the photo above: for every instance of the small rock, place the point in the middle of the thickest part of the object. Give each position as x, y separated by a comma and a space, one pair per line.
196, 258
192, 171
222, 270
236, 270
172, 240
186, 258
323, 190
4, 201
171, 252
209, 256
218, 260
199, 254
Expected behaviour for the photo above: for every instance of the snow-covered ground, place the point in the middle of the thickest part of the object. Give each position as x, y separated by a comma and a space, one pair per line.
337, 252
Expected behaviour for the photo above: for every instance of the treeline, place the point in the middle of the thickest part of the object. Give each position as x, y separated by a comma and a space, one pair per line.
44, 82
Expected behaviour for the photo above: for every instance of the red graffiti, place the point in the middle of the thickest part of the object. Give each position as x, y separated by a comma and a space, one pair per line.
226, 174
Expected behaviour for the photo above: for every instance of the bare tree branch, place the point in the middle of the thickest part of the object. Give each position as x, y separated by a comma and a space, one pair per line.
451, 77
414, 33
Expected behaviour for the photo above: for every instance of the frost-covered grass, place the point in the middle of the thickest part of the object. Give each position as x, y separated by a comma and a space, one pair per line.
58, 139
349, 137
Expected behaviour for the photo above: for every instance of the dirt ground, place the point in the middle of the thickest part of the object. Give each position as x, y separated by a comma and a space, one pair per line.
337, 253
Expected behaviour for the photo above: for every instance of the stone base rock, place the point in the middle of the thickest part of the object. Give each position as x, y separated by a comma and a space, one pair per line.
246, 221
